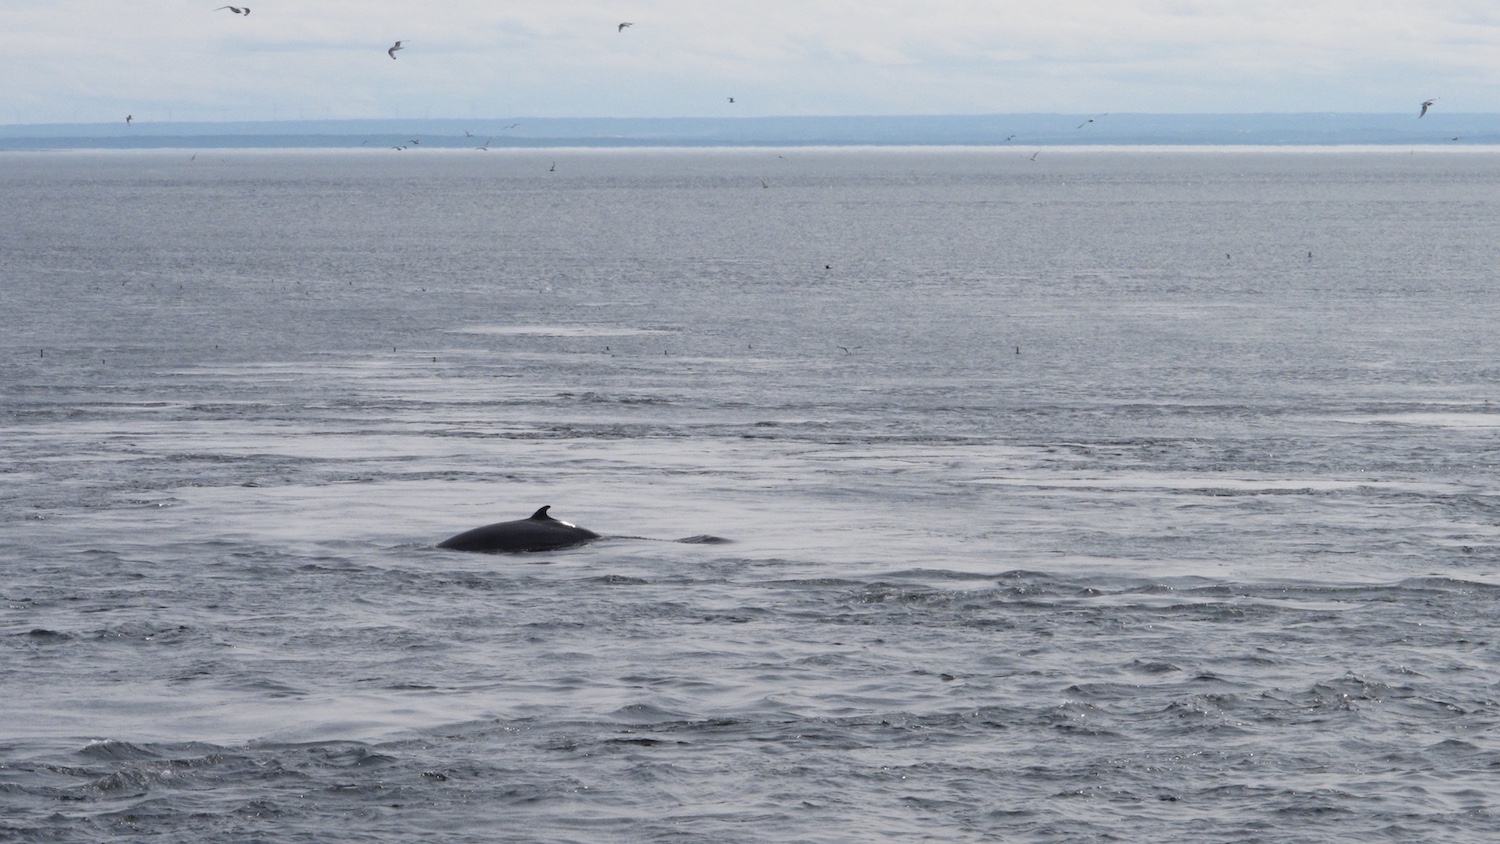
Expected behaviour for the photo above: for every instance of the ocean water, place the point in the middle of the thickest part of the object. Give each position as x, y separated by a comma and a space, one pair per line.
1134, 495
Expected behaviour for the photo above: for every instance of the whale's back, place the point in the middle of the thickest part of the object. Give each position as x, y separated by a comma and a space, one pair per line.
541, 532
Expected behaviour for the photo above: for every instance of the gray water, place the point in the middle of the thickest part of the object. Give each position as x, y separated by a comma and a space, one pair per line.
1139, 496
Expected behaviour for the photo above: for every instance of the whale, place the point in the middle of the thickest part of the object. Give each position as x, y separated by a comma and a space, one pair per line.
539, 532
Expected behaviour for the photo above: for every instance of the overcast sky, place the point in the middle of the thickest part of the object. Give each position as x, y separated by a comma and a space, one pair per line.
97, 60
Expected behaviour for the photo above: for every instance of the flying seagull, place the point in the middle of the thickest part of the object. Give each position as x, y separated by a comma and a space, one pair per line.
623, 25
128, 118
392, 51
731, 99
1091, 120
236, 9
1426, 104
486, 146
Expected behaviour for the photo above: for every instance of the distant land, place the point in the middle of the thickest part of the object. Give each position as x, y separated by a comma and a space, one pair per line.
1330, 129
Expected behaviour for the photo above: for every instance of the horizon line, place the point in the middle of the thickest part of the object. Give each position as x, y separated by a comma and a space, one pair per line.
734, 118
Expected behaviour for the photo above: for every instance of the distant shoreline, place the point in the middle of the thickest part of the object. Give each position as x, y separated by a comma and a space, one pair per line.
1339, 130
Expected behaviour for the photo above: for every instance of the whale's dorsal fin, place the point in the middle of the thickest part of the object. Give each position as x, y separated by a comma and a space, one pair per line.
541, 515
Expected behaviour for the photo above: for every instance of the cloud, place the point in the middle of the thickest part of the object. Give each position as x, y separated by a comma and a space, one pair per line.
89, 59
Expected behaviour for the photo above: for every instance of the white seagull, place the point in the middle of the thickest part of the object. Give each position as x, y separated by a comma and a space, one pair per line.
1426, 104
392, 51
1091, 120
623, 25
236, 9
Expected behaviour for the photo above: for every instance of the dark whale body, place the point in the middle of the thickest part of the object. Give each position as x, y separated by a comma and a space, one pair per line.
541, 532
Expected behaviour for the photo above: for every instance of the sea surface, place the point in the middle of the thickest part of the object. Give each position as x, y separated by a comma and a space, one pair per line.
1087, 495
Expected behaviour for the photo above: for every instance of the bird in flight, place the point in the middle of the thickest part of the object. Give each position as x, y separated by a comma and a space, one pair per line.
235, 9
128, 118
1426, 104
731, 99
392, 51
623, 25
486, 146
1091, 120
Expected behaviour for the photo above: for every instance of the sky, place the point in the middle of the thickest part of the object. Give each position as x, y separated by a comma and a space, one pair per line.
94, 61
